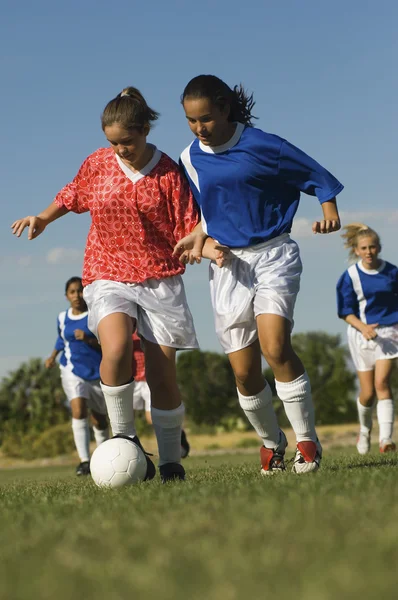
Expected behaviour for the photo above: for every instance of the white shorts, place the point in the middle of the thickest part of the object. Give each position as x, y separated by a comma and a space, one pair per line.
76, 387
141, 396
160, 307
365, 353
261, 279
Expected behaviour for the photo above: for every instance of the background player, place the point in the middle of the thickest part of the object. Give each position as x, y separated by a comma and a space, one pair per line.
79, 364
367, 299
248, 183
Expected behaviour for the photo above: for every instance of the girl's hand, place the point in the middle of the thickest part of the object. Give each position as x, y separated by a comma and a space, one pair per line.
36, 227
80, 335
368, 331
217, 252
326, 226
189, 248
49, 362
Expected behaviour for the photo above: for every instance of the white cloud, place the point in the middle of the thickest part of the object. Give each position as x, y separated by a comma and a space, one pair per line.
302, 228
57, 256
24, 261
365, 216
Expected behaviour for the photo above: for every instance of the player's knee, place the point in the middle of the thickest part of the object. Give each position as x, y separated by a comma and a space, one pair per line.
276, 353
382, 385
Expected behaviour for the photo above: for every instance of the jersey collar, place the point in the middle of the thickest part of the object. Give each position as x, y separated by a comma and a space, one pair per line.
371, 271
228, 145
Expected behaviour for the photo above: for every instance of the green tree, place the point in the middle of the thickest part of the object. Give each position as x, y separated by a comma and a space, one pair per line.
333, 383
208, 387
32, 399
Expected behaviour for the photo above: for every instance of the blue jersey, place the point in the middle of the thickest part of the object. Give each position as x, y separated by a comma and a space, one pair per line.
249, 188
370, 295
77, 356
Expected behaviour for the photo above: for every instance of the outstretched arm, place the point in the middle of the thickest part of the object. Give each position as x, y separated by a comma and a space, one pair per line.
38, 223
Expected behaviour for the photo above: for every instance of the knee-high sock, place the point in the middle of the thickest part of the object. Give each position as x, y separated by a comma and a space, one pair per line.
119, 403
385, 417
364, 417
261, 415
167, 425
297, 401
101, 435
81, 435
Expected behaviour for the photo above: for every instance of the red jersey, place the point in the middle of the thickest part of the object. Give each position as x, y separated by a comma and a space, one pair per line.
138, 359
137, 218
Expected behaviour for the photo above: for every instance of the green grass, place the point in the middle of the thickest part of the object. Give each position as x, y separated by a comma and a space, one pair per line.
224, 534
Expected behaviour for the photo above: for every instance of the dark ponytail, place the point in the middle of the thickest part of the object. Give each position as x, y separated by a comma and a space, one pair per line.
130, 110
220, 94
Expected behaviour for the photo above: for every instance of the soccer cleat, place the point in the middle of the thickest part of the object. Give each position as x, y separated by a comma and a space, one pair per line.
171, 472
272, 459
308, 457
363, 442
387, 446
83, 468
150, 467
185, 447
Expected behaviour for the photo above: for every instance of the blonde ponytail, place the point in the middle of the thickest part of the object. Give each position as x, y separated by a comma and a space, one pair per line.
353, 232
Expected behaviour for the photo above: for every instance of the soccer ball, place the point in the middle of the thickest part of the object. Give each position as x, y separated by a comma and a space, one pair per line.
118, 462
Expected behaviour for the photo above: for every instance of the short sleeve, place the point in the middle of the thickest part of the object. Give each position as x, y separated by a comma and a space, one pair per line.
183, 207
302, 172
59, 344
347, 301
75, 195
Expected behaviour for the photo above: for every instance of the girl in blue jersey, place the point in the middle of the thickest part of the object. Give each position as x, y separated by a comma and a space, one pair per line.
367, 299
79, 364
248, 183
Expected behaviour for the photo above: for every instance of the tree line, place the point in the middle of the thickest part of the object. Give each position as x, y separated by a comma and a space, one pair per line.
32, 400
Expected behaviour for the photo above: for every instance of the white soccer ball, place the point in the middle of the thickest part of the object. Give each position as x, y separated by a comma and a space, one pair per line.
118, 462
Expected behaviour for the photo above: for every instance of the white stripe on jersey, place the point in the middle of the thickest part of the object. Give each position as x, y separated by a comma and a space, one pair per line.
67, 352
356, 283
193, 174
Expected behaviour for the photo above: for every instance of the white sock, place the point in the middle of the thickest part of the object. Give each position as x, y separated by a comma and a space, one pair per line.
119, 403
81, 435
385, 417
101, 435
297, 401
365, 417
261, 415
167, 425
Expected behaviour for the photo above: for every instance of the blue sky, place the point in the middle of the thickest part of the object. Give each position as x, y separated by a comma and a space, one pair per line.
323, 75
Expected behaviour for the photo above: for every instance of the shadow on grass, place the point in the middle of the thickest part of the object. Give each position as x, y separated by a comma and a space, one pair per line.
369, 464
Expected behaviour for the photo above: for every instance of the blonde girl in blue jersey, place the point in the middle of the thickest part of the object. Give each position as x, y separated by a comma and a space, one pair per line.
248, 183
367, 300
80, 361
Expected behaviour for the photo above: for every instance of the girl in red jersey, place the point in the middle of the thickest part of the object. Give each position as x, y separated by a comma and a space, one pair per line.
140, 207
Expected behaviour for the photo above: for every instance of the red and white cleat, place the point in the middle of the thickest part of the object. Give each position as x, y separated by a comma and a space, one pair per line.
387, 446
273, 459
308, 457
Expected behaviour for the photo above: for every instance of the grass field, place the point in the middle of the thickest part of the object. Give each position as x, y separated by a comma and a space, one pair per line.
224, 534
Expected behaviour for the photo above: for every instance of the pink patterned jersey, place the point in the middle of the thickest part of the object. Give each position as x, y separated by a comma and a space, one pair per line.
136, 218
138, 359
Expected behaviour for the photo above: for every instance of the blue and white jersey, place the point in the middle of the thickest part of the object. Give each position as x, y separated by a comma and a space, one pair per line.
370, 295
249, 188
77, 356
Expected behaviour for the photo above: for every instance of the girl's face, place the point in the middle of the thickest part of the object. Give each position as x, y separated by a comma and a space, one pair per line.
208, 122
75, 296
129, 144
368, 251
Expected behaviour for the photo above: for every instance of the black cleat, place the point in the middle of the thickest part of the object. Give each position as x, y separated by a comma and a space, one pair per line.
150, 467
172, 472
83, 468
185, 447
